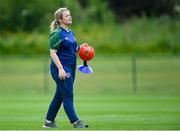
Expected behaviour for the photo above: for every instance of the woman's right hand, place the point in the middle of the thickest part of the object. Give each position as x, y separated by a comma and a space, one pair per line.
62, 74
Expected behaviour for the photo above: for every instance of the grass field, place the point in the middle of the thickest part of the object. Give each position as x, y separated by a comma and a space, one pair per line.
105, 99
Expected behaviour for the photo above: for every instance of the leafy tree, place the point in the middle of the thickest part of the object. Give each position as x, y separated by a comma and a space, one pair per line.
128, 8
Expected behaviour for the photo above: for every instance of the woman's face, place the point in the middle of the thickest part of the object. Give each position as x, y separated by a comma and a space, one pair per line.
66, 19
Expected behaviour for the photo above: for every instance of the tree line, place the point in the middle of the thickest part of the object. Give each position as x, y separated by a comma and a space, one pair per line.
21, 15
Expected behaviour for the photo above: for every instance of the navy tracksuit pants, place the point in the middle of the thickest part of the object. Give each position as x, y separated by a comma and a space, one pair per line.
63, 94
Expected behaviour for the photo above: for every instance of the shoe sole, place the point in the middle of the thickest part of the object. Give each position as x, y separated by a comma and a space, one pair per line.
48, 126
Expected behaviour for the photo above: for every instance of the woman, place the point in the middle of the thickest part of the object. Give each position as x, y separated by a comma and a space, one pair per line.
63, 48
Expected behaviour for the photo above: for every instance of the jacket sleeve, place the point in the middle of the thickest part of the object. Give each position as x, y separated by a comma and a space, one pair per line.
55, 40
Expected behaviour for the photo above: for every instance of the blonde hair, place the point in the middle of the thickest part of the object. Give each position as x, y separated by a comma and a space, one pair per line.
57, 16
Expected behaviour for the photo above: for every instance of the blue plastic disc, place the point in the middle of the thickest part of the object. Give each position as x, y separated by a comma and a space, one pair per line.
85, 69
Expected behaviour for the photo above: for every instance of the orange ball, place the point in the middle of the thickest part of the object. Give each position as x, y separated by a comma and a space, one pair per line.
86, 52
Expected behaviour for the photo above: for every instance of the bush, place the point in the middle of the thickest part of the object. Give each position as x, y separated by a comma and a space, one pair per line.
139, 36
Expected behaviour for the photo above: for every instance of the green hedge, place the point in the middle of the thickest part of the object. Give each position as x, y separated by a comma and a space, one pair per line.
23, 43
140, 36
